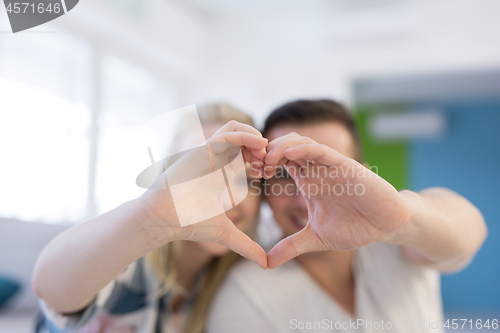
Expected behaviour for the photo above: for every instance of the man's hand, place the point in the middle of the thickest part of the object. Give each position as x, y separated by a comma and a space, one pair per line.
349, 206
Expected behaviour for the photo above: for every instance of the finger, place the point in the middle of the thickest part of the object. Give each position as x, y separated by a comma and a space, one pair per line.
259, 153
275, 155
273, 143
301, 242
235, 126
317, 152
258, 168
293, 169
268, 171
255, 164
271, 169
240, 243
247, 155
255, 167
241, 139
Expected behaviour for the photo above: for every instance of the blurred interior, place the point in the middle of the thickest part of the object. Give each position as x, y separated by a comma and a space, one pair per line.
422, 76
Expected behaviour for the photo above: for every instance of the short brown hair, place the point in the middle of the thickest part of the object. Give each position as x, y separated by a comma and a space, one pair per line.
309, 112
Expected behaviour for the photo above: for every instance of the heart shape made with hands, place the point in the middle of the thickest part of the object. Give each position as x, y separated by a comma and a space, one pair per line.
338, 219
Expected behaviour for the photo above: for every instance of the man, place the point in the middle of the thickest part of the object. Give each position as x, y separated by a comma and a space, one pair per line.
367, 257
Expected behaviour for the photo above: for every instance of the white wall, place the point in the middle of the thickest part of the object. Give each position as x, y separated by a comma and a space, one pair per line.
263, 55
258, 54
160, 36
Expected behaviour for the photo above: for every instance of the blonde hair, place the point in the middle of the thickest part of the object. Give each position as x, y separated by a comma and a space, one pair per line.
162, 259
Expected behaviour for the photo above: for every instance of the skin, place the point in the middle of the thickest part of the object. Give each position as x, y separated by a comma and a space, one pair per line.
78, 263
435, 227
195, 255
242, 215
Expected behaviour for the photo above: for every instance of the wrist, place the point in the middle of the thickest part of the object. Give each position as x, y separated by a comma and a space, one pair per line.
408, 224
156, 230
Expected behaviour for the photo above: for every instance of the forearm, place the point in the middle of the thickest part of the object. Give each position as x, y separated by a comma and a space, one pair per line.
78, 263
445, 230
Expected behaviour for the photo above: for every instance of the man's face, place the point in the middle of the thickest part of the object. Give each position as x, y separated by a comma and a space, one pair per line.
290, 211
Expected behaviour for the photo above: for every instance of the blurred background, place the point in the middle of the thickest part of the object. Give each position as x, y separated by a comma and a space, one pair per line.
422, 76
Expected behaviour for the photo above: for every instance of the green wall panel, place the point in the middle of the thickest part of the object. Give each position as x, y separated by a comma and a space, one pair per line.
391, 158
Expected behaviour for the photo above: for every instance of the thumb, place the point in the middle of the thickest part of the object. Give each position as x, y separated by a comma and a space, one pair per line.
240, 243
294, 245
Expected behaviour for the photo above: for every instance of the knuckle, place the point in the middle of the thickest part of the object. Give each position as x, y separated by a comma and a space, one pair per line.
222, 236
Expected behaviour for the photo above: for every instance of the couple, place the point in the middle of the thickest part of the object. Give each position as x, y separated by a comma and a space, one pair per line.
362, 262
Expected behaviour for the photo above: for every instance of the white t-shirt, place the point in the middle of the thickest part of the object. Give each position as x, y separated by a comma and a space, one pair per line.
391, 295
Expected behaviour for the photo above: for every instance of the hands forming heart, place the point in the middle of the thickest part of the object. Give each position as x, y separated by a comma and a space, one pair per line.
349, 206
337, 220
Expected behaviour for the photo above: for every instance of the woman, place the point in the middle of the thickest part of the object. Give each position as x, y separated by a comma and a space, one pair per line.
171, 273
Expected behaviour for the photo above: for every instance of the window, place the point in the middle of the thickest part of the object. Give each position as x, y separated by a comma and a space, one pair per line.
131, 96
48, 127
44, 121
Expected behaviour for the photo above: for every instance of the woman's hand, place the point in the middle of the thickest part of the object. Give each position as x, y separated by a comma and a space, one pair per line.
79, 262
349, 206
162, 219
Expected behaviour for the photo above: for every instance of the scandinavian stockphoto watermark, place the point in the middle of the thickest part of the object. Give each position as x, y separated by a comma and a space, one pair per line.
26, 14
313, 180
